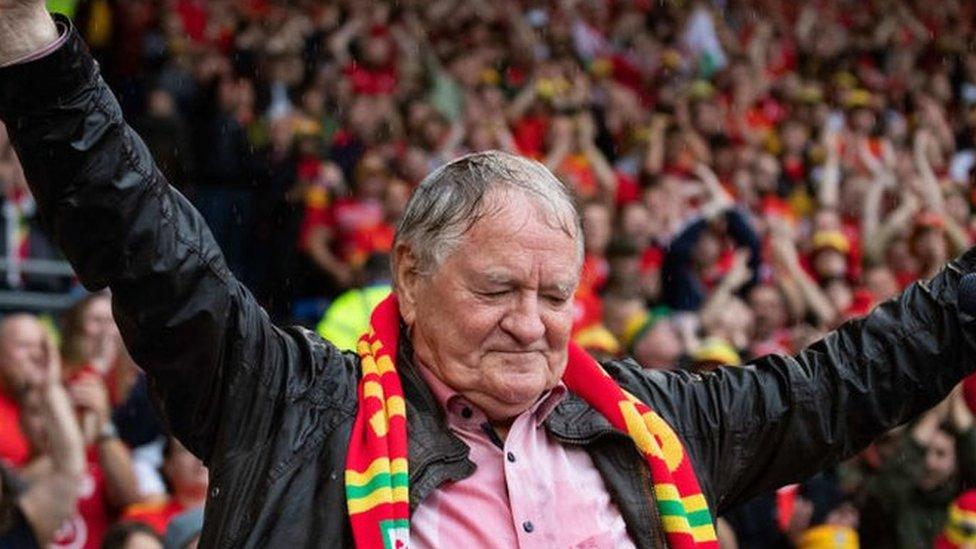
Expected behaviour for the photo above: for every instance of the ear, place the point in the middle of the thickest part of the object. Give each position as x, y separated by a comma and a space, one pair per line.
406, 280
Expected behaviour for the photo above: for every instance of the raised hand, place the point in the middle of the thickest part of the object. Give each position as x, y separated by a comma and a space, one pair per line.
90, 397
784, 253
959, 413
586, 129
25, 27
6, 5
740, 273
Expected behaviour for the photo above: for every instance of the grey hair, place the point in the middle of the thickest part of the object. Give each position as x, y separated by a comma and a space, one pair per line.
449, 201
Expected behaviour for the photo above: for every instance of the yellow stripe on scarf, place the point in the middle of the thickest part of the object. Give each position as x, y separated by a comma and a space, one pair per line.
641, 428
705, 532
379, 465
676, 524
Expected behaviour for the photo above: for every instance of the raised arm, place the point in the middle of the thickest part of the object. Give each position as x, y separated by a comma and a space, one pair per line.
208, 348
782, 418
787, 258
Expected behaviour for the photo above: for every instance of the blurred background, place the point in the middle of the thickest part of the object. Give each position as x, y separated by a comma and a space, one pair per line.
750, 174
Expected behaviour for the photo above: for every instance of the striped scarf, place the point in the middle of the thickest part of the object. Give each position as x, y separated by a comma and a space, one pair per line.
377, 484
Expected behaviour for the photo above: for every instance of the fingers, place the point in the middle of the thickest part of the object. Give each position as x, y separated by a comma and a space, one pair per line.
89, 393
52, 360
87, 386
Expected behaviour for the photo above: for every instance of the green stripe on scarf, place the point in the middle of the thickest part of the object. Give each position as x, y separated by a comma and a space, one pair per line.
674, 508
379, 481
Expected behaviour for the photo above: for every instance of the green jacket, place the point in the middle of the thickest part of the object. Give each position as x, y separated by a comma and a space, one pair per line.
348, 316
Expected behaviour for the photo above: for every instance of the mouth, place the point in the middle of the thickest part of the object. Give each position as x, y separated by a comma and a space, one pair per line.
514, 352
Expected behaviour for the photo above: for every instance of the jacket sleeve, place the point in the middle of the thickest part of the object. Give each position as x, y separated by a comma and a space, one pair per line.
210, 351
781, 418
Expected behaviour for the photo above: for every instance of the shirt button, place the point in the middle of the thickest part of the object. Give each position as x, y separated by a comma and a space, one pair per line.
215, 491
511, 457
528, 527
466, 413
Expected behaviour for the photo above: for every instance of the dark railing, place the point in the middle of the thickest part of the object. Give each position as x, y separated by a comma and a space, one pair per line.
14, 299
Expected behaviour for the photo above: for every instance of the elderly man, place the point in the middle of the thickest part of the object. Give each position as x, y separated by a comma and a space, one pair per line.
466, 417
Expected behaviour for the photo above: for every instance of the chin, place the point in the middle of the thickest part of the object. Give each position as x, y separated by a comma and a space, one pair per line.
522, 383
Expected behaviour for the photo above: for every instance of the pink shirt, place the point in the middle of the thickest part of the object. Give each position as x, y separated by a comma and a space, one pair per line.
530, 492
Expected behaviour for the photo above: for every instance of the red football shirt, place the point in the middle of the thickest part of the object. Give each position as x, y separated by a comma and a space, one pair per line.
93, 517
14, 448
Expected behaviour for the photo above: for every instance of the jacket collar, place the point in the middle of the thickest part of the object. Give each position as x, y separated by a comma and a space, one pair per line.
574, 421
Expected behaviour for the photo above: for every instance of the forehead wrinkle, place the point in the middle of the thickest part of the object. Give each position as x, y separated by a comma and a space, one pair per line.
500, 197
563, 288
497, 276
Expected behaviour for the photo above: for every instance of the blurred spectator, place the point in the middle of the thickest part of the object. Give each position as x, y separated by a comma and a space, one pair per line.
106, 478
906, 504
90, 340
699, 257
347, 317
186, 478
33, 515
21, 367
94, 356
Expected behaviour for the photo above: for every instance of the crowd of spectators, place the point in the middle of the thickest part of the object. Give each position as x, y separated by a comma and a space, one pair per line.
750, 174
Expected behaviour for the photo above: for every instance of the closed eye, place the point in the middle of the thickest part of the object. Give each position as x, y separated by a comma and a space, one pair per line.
498, 293
556, 299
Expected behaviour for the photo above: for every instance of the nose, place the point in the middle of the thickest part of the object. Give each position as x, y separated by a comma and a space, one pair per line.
523, 321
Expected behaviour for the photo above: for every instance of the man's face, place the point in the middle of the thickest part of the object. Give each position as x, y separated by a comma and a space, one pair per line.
931, 247
660, 348
768, 307
940, 461
493, 321
881, 282
707, 250
97, 320
596, 226
21, 352
636, 222
766, 172
830, 263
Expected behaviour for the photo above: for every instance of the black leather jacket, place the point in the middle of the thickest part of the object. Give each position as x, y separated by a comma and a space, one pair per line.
269, 409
